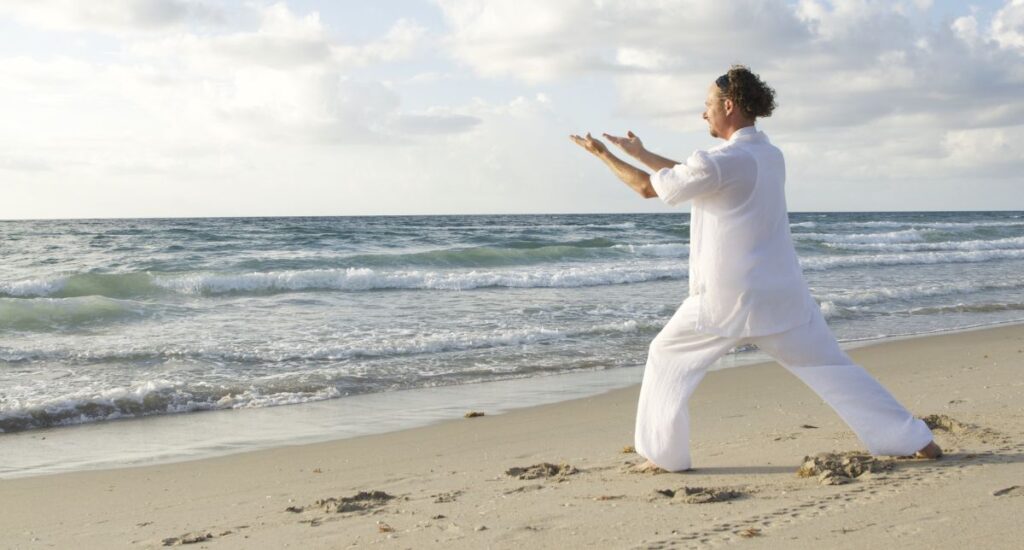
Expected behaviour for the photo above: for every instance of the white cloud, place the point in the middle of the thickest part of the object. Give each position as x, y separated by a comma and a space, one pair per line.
109, 15
286, 79
213, 109
966, 29
537, 41
1008, 25
990, 148
434, 121
177, 120
850, 67
402, 40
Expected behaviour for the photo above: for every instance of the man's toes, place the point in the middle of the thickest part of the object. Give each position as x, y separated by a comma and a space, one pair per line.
648, 468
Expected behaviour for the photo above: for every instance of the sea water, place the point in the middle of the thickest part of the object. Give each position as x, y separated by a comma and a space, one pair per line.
108, 319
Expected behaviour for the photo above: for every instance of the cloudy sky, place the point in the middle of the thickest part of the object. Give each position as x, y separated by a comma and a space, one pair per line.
139, 108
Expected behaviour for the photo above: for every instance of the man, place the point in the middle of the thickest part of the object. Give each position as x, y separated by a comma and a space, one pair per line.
745, 284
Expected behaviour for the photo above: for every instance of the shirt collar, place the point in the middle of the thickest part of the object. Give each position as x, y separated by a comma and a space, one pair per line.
746, 131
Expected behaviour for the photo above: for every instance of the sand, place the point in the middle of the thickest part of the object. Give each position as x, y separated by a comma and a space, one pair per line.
557, 476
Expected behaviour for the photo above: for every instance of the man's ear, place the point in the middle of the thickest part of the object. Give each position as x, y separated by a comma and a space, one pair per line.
729, 106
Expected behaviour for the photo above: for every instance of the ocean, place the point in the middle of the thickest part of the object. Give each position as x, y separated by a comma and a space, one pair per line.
111, 319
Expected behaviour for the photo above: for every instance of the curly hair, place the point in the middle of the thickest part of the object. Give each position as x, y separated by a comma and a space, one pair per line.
753, 97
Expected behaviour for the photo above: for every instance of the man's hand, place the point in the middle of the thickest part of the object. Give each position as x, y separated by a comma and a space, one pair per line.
592, 145
630, 144
635, 178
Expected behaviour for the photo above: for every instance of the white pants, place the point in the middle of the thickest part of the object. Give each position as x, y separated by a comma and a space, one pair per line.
679, 357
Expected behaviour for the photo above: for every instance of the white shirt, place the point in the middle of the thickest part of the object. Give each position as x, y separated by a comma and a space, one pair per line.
743, 267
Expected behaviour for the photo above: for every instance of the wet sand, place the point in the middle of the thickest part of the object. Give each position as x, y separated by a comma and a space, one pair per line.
558, 475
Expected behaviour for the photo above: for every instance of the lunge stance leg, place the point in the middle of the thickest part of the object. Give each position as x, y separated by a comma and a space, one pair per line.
677, 360
879, 420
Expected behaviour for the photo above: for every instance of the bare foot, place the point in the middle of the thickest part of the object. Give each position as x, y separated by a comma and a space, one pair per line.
931, 450
648, 468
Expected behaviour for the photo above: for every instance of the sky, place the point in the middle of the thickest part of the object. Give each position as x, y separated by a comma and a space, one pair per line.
182, 108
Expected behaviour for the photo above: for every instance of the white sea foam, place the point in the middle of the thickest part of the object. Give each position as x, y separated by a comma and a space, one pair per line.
829, 310
144, 398
667, 250
88, 405
373, 344
32, 287
993, 244
454, 341
931, 225
356, 279
59, 403
965, 308
830, 262
903, 236
860, 296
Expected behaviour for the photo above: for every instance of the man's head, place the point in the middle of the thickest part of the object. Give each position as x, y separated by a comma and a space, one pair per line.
735, 100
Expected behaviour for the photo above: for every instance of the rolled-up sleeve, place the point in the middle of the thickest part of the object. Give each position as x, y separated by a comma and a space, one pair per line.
684, 181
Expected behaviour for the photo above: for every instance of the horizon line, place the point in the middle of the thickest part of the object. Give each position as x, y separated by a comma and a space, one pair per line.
481, 214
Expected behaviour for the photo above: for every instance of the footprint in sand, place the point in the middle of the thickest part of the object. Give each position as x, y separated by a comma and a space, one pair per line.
945, 423
962, 430
524, 489
542, 470
643, 468
446, 497
189, 538
840, 468
700, 495
362, 501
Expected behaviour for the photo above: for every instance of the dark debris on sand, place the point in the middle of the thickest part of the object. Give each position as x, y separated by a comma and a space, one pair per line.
945, 423
954, 427
840, 468
1013, 490
360, 502
700, 495
542, 470
190, 538
450, 496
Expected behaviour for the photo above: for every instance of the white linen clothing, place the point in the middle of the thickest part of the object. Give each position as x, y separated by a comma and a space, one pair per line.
746, 287
743, 268
680, 356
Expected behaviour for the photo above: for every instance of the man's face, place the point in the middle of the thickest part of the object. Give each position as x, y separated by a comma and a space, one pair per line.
714, 111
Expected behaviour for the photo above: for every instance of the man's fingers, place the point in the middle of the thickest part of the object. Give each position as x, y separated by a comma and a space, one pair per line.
630, 134
588, 142
615, 139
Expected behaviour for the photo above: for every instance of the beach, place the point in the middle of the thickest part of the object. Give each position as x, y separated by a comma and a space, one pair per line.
340, 275
454, 483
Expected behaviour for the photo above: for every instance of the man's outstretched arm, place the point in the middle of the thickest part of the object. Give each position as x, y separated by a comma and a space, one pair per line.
635, 178
632, 145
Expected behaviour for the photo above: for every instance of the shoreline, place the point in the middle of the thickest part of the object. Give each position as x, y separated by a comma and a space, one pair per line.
171, 438
446, 484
